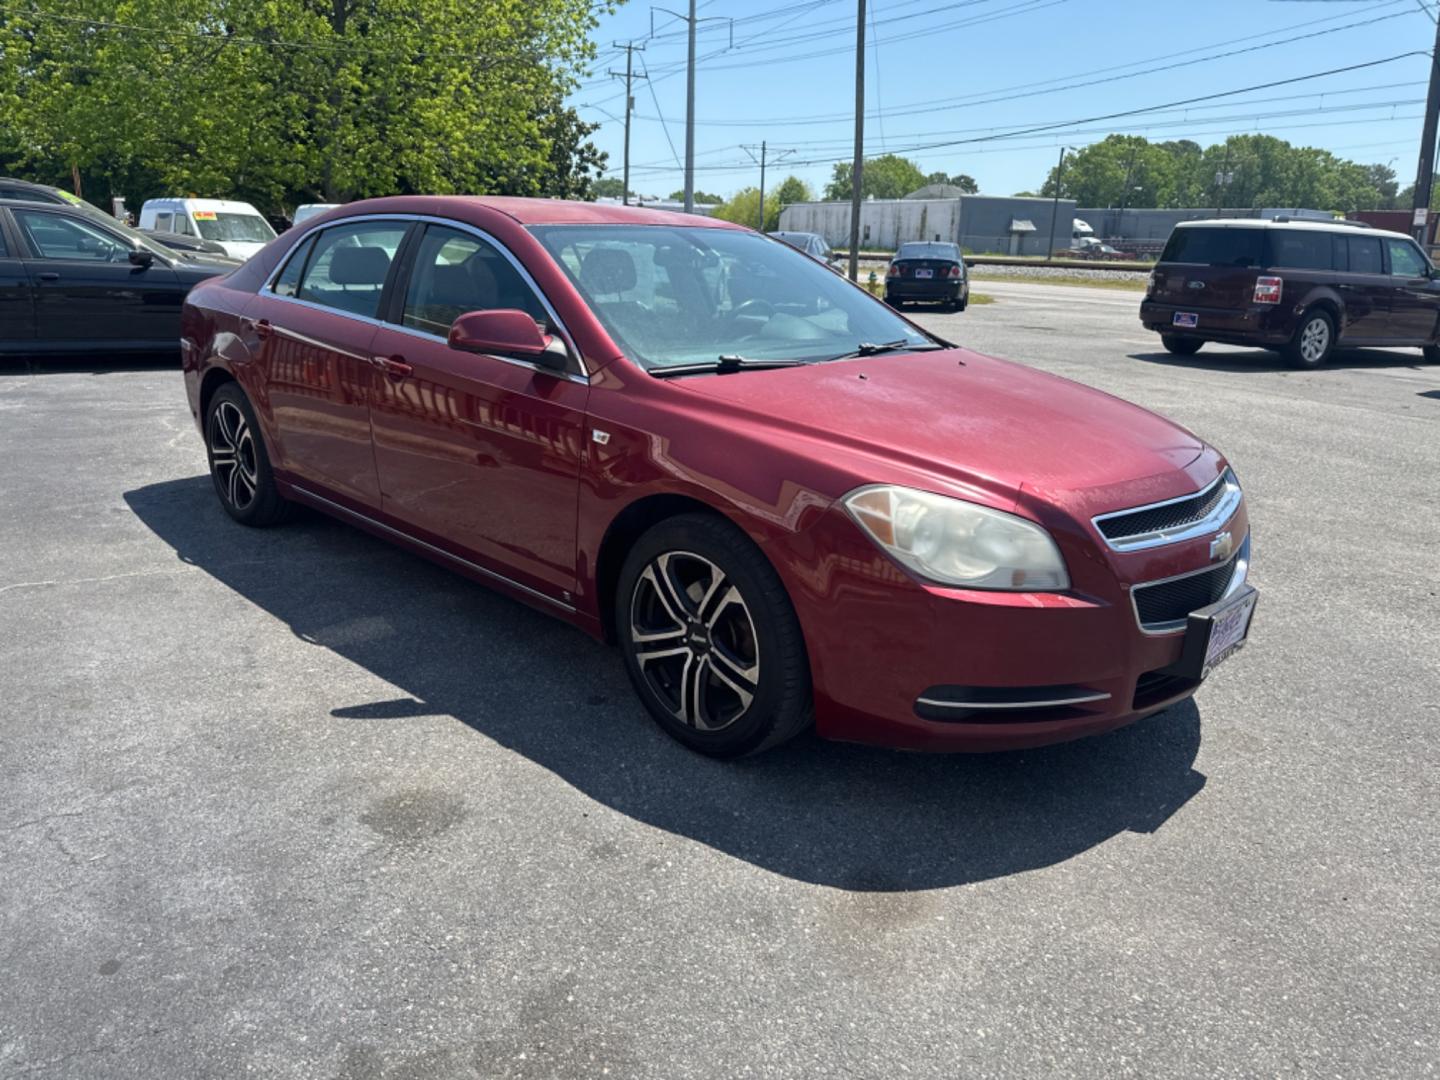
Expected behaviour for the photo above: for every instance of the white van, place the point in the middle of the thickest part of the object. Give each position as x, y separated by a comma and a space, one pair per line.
236, 226
309, 210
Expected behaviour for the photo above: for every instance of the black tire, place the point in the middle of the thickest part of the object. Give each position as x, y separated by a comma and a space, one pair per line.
960, 305
239, 463
1432, 354
1181, 346
696, 678
1313, 342
896, 304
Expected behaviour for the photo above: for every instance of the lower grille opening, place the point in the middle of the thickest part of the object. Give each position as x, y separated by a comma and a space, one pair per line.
1156, 686
1165, 604
1008, 705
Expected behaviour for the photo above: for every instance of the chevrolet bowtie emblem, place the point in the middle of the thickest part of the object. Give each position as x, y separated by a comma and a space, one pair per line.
1221, 547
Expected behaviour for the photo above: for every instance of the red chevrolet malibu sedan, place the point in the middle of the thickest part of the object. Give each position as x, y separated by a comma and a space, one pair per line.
783, 501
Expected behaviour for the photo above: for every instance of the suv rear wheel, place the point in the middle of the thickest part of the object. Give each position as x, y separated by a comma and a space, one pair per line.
1180, 346
1313, 342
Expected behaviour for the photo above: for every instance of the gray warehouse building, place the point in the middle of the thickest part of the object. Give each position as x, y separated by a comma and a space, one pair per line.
983, 224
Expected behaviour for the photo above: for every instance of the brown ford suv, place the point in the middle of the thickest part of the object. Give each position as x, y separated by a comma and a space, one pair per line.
1303, 288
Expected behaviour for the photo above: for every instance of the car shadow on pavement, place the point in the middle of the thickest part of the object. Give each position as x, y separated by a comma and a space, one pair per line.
1264, 360
850, 817
84, 365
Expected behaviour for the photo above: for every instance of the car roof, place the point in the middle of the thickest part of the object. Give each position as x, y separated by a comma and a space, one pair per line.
202, 204
528, 211
1347, 227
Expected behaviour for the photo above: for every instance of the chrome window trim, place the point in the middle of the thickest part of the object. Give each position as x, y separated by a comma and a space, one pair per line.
986, 706
268, 287
1223, 512
368, 520
1178, 626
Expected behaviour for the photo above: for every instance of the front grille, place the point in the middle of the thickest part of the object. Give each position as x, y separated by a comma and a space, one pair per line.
1165, 603
1163, 521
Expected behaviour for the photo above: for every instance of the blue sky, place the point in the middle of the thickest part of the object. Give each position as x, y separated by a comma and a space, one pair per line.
962, 72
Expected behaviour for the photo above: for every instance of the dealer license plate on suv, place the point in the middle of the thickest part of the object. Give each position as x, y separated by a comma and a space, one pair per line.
1184, 318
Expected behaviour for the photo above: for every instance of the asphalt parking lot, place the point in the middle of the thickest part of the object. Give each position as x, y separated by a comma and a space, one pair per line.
296, 804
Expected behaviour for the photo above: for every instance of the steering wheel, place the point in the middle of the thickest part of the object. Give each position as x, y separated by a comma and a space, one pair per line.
754, 306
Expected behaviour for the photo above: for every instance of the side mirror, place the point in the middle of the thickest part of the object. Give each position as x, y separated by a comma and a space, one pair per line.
504, 332
141, 257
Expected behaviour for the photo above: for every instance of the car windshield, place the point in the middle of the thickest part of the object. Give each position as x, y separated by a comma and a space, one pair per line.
243, 228
926, 251
673, 295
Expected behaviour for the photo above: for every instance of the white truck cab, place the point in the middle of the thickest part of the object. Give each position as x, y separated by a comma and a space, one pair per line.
236, 226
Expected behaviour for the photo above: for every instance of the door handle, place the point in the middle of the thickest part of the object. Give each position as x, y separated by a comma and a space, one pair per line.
48, 275
394, 366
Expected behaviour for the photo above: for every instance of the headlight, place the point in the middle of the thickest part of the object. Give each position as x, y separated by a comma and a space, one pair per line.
958, 543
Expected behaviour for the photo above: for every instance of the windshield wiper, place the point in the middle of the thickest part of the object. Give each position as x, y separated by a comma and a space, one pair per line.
723, 365
867, 348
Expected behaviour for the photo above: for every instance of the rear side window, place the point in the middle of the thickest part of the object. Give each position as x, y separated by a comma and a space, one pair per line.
1216, 247
349, 265
1365, 255
163, 221
1302, 249
287, 284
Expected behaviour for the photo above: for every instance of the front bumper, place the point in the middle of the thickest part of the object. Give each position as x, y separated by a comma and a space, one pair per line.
1257, 324
903, 663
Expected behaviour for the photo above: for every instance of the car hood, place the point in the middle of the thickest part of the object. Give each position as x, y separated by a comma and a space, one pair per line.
978, 423
196, 267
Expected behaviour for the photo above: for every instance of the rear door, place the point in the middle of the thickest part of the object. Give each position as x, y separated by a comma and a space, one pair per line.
1414, 296
313, 325
17, 309
87, 291
1365, 288
1210, 269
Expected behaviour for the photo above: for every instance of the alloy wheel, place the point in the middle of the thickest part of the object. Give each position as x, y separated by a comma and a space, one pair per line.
232, 455
694, 640
1314, 340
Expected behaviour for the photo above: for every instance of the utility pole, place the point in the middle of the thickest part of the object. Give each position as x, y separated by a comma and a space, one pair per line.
1425, 174
1055, 207
690, 118
629, 75
857, 169
690, 23
761, 159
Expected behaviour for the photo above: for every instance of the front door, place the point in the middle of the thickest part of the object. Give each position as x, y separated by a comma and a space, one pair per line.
89, 293
17, 309
1414, 297
480, 452
313, 327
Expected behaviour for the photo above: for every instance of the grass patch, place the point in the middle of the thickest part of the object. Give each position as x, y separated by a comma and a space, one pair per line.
1123, 284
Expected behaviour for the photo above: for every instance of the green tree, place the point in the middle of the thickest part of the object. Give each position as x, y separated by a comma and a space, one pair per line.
886, 177
793, 190
962, 181
608, 187
283, 101
700, 197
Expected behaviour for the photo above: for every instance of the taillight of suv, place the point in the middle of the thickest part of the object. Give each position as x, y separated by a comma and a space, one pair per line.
1150, 285
1267, 290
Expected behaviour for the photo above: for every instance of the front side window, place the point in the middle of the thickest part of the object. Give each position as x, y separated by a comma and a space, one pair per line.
164, 221
1406, 260
455, 272
53, 236
349, 264
1365, 255
673, 295
239, 228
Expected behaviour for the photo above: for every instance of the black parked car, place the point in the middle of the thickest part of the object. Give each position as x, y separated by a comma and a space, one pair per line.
1302, 287
75, 280
928, 271
181, 242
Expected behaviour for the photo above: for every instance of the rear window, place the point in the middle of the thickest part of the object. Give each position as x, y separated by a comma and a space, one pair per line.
1216, 247
928, 251
1303, 249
